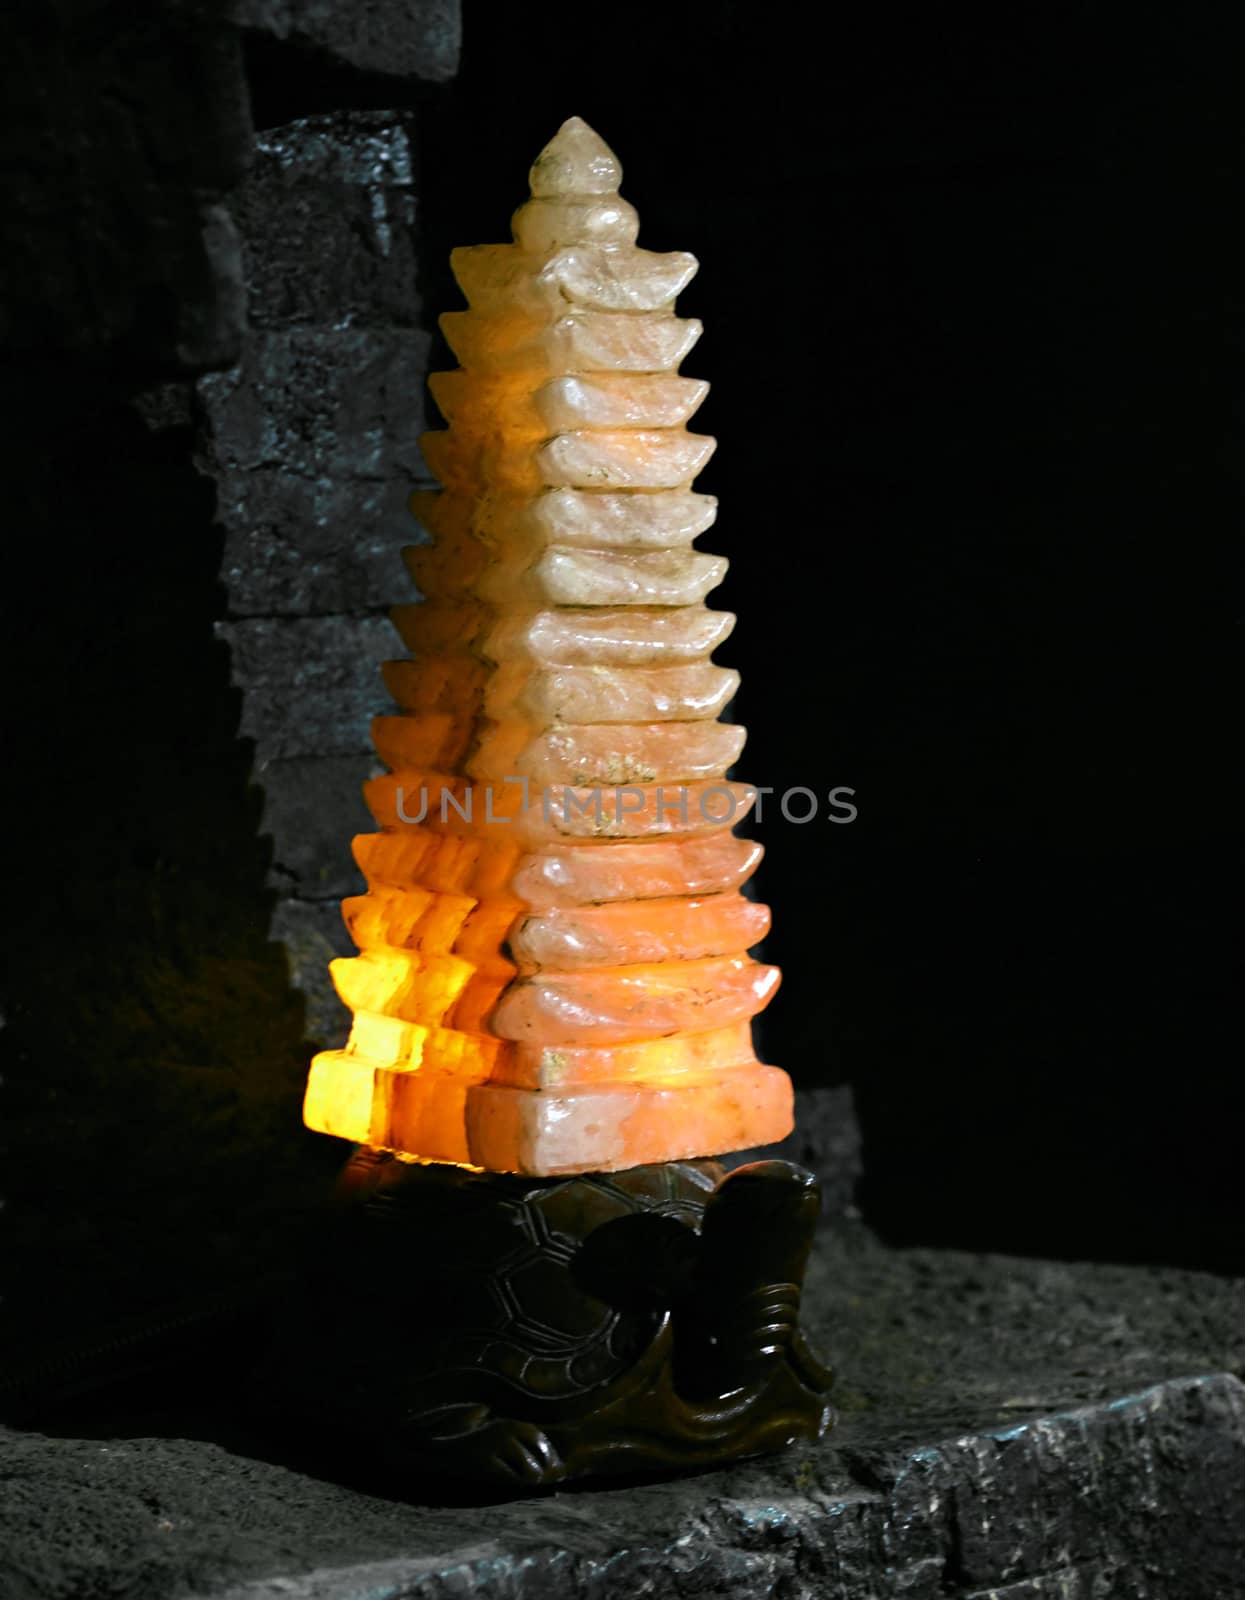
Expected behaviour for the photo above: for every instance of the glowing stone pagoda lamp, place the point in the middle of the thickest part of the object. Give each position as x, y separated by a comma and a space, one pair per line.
553, 991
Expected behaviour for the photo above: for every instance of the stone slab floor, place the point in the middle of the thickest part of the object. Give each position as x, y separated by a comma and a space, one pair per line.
1008, 1428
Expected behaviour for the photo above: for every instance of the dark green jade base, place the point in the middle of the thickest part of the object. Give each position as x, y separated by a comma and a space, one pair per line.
528, 1331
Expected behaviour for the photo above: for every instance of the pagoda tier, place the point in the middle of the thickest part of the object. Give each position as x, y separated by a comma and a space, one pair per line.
553, 971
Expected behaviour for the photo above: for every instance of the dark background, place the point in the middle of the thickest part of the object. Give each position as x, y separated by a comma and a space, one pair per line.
973, 326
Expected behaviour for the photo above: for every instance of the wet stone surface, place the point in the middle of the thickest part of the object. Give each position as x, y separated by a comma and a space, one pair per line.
1007, 1428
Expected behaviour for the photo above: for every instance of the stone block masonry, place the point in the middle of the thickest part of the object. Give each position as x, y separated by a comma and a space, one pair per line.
311, 442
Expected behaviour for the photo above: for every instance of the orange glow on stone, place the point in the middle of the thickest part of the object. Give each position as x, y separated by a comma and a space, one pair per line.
553, 974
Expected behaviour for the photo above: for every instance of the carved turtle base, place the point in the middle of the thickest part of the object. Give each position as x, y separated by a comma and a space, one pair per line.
523, 1332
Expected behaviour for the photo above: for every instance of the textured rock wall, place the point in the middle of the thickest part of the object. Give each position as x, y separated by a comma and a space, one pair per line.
122, 129
310, 440
384, 37
134, 939
176, 616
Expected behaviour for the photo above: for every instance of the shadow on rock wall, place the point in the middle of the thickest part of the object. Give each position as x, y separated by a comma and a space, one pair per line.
154, 1053
154, 1050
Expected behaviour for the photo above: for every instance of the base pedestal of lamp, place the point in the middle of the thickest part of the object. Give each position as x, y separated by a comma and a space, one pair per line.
526, 1331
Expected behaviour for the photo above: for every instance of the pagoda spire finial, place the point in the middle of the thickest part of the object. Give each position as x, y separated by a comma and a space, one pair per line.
575, 161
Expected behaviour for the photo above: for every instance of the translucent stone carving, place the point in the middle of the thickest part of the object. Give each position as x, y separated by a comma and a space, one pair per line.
553, 973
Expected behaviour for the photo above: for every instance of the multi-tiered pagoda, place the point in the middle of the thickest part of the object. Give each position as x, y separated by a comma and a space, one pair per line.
553, 973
